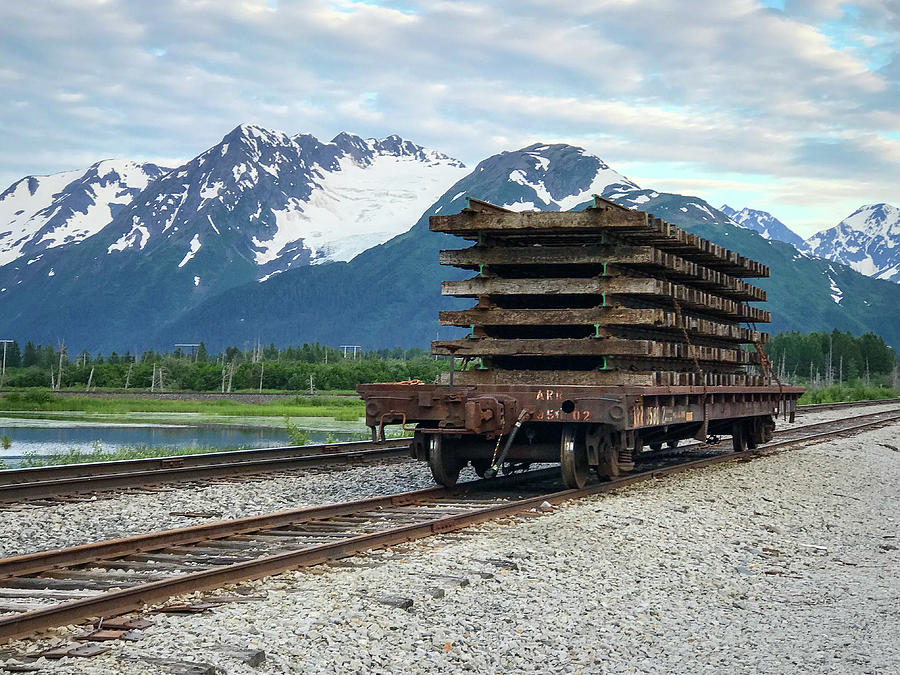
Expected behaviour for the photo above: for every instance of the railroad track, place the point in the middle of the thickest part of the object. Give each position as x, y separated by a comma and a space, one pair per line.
71, 480
109, 578
77, 482
814, 407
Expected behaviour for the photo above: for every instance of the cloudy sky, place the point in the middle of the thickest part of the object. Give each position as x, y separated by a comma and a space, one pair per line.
791, 106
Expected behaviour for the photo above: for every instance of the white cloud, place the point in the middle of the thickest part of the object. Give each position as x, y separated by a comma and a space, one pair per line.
725, 87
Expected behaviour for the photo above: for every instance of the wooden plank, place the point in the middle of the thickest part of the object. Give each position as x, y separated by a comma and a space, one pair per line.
611, 287
541, 347
543, 221
609, 347
635, 224
597, 378
601, 316
679, 269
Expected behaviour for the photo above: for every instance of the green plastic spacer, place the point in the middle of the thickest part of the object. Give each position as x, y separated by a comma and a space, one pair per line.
604, 270
604, 366
481, 269
596, 330
603, 297
472, 328
481, 365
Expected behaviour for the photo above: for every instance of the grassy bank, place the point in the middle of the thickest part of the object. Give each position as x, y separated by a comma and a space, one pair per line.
340, 408
98, 454
837, 393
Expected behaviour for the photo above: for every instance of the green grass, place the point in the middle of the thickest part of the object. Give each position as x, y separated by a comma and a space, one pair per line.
837, 393
98, 454
340, 408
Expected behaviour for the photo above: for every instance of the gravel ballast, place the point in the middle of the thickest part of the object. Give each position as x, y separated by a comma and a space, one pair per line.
788, 563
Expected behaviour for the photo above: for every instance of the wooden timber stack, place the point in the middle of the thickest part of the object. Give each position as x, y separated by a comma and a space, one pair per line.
605, 296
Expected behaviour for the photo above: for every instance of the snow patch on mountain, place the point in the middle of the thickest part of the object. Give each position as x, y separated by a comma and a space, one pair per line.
836, 292
41, 212
195, 246
868, 240
359, 206
137, 236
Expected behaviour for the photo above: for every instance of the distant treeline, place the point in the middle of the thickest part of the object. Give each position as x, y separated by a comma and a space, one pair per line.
194, 369
826, 358
810, 358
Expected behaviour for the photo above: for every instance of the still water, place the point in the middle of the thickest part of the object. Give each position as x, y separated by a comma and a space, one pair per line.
61, 437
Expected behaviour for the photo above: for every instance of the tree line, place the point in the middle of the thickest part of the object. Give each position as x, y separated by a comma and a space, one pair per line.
819, 359
297, 368
835, 357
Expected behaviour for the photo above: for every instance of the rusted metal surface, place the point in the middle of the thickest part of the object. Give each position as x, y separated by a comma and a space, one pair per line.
46, 482
302, 537
622, 407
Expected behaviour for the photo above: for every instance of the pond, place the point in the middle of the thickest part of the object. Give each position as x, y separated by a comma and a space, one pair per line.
43, 437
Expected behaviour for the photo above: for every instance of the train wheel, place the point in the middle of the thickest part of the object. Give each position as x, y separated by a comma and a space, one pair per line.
739, 436
573, 458
443, 462
607, 454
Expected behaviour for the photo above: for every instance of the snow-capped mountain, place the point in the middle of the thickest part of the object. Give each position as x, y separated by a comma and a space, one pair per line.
868, 240
765, 223
279, 201
541, 177
390, 294
220, 248
282, 200
41, 212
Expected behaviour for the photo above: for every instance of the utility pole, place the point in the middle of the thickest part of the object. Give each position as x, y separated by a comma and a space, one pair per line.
3, 370
262, 369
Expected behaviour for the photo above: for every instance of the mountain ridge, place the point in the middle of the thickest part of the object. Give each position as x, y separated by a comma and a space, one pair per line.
765, 223
196, 254
868, 240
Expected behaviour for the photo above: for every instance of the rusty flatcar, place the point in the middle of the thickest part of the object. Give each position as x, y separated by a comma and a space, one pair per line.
595, 333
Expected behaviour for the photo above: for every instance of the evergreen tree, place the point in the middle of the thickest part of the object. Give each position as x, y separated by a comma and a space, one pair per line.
32, 356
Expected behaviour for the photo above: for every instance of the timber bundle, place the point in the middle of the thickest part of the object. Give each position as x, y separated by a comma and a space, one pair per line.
604, 296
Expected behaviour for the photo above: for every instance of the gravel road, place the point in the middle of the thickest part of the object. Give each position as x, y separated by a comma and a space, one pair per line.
785, 564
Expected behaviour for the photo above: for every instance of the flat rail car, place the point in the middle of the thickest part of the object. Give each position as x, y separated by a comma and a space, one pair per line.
594, 333
582, 427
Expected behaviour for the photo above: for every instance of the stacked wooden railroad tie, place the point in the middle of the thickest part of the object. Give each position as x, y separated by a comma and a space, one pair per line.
598, 297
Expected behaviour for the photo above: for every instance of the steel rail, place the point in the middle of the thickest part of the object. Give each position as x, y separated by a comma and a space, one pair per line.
812, 407
118, 601
18, 485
